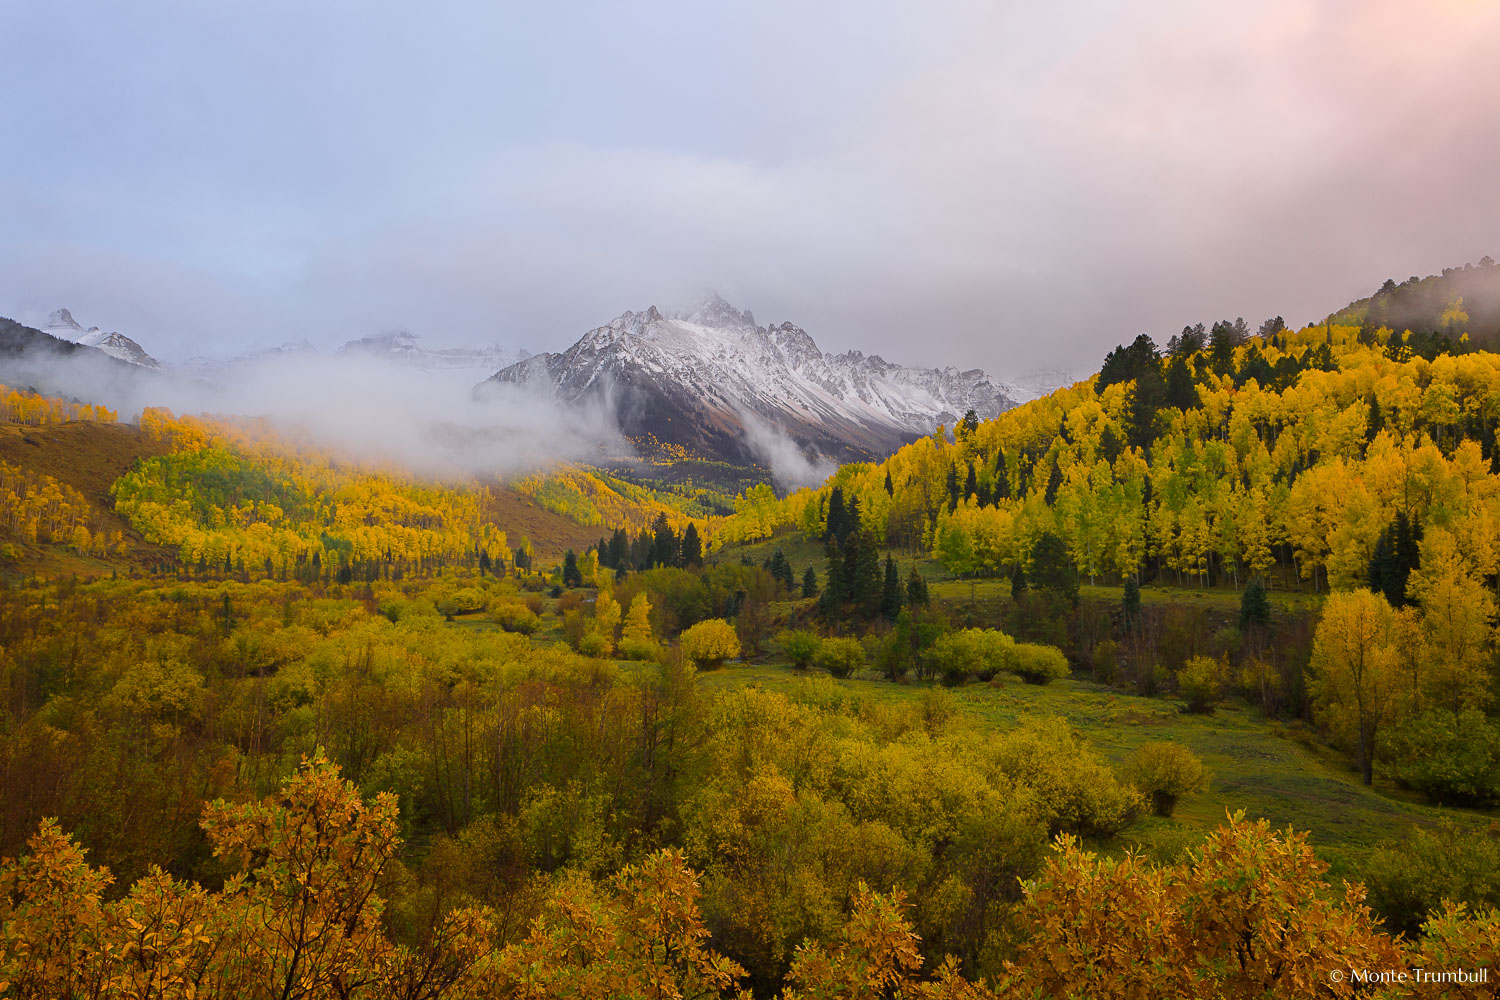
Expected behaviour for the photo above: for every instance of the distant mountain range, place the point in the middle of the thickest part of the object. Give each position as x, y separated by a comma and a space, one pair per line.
709, 380
714, 382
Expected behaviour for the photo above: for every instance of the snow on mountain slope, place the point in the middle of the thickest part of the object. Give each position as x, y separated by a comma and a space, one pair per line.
714, 381
405, 348
62, 325
1035, 385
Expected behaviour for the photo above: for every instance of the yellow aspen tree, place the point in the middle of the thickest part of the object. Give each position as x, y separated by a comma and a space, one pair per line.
1356, 680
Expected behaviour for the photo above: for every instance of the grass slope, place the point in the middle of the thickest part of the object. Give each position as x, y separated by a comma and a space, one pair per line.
89, 457
1257, 766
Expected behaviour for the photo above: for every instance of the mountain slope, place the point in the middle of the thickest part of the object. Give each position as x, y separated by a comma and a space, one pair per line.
63, 326
716, 383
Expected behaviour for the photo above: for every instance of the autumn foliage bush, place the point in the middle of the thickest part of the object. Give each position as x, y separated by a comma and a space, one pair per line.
709, 643
1164, 772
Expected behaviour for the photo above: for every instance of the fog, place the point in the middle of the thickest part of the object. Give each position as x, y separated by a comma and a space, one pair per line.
791, 465
430, 423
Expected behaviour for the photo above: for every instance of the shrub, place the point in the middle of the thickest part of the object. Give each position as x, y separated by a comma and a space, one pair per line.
891, 655
800, 646
1201, 682
1106, 661
593, 644
981, 652
1408, 879
841, 656
709, 643
639, 649
1077, 791
1037, 664
461, 602
513, 616
1452, 759
1164, 772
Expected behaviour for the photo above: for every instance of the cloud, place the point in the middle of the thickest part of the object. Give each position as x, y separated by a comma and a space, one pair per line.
362, 408
1006, 186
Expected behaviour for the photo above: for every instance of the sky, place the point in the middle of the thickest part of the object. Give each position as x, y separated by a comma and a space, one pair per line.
1009, 186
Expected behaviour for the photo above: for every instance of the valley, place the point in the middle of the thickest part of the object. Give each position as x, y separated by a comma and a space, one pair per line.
1213, 627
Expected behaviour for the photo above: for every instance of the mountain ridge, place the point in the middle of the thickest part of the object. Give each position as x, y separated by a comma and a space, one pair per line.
712, 380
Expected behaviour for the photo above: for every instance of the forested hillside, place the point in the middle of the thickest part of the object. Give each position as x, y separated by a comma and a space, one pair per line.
1179, 682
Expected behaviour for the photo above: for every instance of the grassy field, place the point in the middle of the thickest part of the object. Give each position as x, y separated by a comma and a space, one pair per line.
1258, 766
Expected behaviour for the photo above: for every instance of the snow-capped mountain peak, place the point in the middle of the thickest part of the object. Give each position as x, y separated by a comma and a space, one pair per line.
714, 381
62, 325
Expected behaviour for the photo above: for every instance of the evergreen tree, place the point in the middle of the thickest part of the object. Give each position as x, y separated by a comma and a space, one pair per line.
916, 589
834, 585
619, 548
570, 575
1374, 419
664, 547
1054, 483
1050, 569
810, 583
1143, 410
890, 487
985, 497
971, 484
1396, 554
851, 518
952, 487
1017, 582
865, 589
1130, 605
1181, 391
1002, 480
890, 596
834, 525
781, 570
1255, 608
692, 547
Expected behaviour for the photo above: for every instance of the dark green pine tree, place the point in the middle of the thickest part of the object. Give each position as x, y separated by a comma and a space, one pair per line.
834, 525
1144, 407
916, 589
865, 581
890, 487
890, 595
692, 547
1255, 607
971, 483
1017, 582
1054, 483
571, 577
851, 518
619, 549
810, 583
1002, 479
1374, 419
1050, 568
835, 586
781, 570
1130, 605
952, 487
986, 496
1181, 391
664, 548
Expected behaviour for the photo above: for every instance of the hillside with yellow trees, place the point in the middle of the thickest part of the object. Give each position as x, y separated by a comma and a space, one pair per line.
1180, 682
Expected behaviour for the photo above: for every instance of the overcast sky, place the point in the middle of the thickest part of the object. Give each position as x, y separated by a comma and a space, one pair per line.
1007, 185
